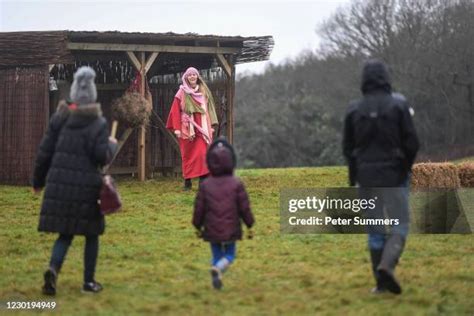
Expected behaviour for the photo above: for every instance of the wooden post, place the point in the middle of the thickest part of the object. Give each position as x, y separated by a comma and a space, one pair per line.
144, 157
148, 137
230, 101
142, 130
228, 66
140, 66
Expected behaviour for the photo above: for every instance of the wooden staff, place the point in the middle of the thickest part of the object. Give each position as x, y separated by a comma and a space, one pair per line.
114, 129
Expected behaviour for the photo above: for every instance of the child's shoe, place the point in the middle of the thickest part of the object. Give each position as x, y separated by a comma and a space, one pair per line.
216, 278
49, 287
378, 290
92, 287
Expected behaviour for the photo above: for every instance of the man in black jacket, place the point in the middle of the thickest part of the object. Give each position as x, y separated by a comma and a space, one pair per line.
380, 145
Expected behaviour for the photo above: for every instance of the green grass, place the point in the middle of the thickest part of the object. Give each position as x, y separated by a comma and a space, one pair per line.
466, 159
150, 262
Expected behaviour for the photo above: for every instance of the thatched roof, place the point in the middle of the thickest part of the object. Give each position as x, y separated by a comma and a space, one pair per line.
34, 48
53, 47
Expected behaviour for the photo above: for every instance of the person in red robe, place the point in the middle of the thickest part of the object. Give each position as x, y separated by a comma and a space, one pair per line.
191, 119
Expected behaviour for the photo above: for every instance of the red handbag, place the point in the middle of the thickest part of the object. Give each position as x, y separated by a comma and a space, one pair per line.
110, 201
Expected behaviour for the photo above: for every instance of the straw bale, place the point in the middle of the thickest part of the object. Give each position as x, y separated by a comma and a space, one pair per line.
132, 109
466, 174
435, 175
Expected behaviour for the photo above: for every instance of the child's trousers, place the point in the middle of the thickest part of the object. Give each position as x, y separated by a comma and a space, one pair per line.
223, 254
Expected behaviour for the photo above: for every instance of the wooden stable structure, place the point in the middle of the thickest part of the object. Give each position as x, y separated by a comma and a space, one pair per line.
36, 70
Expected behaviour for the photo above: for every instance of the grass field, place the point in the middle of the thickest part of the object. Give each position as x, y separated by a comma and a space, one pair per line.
151, 262
466, 159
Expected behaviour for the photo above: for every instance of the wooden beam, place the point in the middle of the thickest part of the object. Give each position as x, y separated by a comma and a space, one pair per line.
120, 144
93, 56
134, 60
123, 139
168, 134
111, 86
224, 64
123, 170
150, 61
153, 48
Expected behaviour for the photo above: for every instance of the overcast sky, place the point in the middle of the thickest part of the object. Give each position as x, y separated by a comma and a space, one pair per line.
292, 24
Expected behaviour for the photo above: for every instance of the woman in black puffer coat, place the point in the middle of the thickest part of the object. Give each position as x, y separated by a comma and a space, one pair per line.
71, 153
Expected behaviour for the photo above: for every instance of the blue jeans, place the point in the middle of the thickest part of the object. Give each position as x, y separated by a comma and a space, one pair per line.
91, 251
223, 250
392, 203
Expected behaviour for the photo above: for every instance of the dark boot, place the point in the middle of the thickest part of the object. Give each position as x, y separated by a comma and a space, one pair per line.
187, 184
50, 277
391, 253
92, 287
375, 257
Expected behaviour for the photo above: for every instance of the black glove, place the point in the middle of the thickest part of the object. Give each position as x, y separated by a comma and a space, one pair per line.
198, 233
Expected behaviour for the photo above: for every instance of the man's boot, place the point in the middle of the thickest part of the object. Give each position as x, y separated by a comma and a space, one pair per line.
375, 257
391, 253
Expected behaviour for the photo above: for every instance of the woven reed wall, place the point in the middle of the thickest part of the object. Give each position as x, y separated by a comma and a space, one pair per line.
163, 154
24, 111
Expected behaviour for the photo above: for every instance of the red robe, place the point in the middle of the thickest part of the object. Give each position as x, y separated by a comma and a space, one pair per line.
193, 152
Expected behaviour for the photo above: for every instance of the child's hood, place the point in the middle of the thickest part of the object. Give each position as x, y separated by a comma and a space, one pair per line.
221, 158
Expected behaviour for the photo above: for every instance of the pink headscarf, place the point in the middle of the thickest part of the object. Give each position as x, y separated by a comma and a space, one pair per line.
188, 124
197, 96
